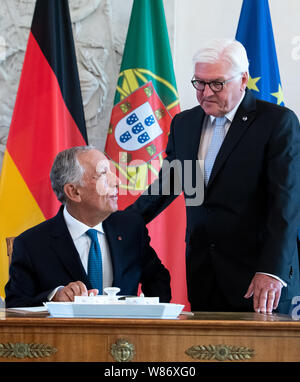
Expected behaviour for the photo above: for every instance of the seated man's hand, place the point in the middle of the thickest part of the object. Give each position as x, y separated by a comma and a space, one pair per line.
67, 293
266, 291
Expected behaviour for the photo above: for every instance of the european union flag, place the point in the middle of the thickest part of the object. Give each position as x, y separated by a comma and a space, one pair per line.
256, 34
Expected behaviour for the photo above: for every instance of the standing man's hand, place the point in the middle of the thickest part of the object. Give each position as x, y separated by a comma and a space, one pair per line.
73, 289
266, 291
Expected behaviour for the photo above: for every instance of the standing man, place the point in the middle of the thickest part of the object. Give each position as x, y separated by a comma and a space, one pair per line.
88, 245
241, 241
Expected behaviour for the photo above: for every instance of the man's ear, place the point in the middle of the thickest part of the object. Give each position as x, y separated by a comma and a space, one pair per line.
72, 192
245, 78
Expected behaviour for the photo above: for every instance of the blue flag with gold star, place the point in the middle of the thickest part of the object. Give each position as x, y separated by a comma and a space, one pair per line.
256, 34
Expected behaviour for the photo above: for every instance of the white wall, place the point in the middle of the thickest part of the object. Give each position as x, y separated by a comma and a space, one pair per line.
200, 20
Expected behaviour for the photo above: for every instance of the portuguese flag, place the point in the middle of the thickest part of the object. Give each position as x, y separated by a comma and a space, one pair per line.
48, 117
146, 99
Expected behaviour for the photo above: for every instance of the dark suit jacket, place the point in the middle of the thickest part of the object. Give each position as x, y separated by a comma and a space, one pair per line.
44, 257
250, 215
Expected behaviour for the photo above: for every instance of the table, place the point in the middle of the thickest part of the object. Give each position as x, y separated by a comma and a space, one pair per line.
209, 337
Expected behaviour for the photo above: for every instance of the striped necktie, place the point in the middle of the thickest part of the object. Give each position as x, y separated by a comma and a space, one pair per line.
95, 262
214, 147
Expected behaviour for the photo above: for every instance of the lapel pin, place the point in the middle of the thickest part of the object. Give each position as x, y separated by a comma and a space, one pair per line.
245, 118
119, 237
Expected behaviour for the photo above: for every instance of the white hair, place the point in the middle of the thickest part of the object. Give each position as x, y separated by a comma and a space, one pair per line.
67, 169
229, 50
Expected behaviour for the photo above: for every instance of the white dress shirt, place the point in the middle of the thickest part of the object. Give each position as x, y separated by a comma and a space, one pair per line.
82, 243
206, 136
208, 129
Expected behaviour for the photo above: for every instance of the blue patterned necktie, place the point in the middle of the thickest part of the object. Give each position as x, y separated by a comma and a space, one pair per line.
95, 262
214, 147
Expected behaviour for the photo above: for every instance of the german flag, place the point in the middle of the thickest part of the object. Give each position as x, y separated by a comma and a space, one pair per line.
48, 117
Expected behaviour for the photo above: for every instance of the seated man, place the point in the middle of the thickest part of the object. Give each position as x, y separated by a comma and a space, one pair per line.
87, 246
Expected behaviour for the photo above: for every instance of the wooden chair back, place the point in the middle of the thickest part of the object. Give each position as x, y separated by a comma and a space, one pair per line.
9, 244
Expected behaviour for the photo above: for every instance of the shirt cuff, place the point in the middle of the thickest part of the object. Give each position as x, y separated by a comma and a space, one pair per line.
275, 277
52, 294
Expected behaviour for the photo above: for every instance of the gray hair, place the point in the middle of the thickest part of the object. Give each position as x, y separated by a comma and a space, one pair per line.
67, 169
229, 50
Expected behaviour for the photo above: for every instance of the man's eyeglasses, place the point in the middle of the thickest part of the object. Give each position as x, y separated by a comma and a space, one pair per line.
215, 86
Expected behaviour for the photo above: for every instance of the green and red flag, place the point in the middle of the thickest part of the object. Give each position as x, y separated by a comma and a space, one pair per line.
48, 117
146, 100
